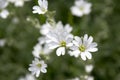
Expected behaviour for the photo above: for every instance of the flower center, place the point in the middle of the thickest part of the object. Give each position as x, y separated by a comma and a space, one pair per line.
43, 9
63, 43
39, 65
81, 8
82, 48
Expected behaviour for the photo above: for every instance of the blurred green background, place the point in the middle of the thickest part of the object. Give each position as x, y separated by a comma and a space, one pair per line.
103, 23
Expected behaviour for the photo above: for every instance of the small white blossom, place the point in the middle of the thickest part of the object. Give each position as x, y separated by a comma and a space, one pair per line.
4, 14
74, 79
42, 8
88, 77
60, 38
80, 8
3, 4
27, 77
37, 66
88, 68
40, 49
83, 47
2, 42
45, 28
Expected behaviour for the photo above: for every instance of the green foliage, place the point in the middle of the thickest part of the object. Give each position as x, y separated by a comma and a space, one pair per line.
103, 23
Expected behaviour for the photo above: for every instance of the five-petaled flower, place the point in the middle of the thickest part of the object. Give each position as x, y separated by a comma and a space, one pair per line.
37, 66
42, 8
60, 38
83, 46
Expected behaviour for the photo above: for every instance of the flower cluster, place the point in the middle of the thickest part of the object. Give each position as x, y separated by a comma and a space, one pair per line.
59, 37
4, 13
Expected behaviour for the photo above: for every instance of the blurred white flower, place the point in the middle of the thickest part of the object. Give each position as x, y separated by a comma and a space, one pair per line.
80, 8
42, 8
18, 3
37, 66
83, 47
45, 28
88, 77
4, 14
15, 20
3, 4
27, 77
40, 49
74, 79
88, 68
60, 38
2, 42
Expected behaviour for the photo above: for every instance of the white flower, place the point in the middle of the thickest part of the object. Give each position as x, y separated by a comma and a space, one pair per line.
40, 49
80, 8
88, 68
2, 42
4, 14
60, 38
74, 78
3, 4
88, 77
27, 77
37, 66
83, 47
45, 28
42, 8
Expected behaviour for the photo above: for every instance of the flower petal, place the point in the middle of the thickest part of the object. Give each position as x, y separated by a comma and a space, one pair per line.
60, 51
88, 55
37, 73
83, 56
43, 70
74, 53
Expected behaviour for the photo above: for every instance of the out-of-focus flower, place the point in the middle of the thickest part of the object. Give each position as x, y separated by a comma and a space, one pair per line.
18, 3
27, 77
4, 14
83, 47
74, 79
86, 77
59, 38
45, 28
37, 66
88, 68
42, 8
15, 20
40, 49
80, 8
3, 4
2, 42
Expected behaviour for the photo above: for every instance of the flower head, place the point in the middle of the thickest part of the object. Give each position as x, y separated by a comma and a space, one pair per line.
3, 4
27, 77
88, 68
37, 66
80, 8
60, 38
40, 49
83, 47
2, 42
4, 14
42, 8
